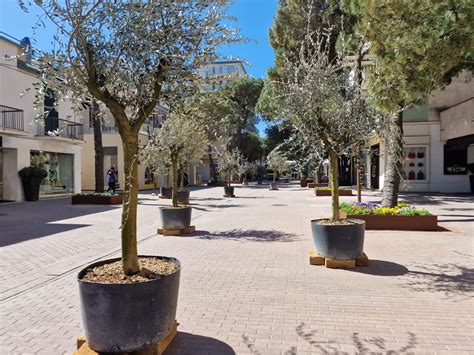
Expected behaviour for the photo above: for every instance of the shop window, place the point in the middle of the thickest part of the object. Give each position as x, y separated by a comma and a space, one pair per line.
455, 159
59, 167
414, 167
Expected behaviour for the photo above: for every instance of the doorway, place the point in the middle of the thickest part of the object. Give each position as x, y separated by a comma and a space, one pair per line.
374, 166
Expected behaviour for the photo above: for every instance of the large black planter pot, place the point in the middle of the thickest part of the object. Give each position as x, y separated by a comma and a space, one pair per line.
166, 192
175, 218
183, 197
229, 191
31, 187
339, 241
127, 317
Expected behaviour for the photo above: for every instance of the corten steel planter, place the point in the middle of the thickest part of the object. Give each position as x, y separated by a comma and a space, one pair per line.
128, 317
312, 185
175, 218
183, 197
344, 192
413, 223
229, 191
96, 199
339, 241
31, 187
166, 192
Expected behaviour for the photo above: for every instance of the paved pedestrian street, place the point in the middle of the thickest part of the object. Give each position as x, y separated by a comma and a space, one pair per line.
246, 283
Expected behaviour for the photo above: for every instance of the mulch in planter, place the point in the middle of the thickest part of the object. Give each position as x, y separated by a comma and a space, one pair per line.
413, 223
150, 268
92, 199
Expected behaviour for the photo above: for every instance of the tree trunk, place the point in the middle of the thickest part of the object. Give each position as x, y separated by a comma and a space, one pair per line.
130, 201
238, 138
393, 160
212, 168
274, 175
229, 177
334, 172
181, 187
98, 148
359, 185
174, 192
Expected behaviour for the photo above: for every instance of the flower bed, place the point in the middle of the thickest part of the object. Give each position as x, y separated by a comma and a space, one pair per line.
326, 191
96, 199
401, 217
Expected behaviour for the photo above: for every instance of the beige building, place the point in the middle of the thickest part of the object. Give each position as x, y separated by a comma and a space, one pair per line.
438, 142
54, 141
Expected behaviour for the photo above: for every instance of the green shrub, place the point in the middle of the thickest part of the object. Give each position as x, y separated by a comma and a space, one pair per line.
33, 171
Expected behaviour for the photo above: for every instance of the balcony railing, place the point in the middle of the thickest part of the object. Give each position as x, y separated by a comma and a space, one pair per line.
57, 127
12, 118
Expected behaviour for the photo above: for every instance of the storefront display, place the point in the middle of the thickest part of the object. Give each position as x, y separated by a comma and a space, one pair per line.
60, 172
414, 168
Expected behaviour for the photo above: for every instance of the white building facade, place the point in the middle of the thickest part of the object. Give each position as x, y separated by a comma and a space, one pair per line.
438, 142
24, 141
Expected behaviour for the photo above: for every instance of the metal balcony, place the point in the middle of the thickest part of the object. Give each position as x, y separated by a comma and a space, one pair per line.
57, 127
11, 118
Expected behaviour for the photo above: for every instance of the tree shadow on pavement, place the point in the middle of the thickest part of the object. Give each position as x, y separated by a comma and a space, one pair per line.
359, 345
452, 280
20, 222
381, 268
208, 208
187, 343
249, 235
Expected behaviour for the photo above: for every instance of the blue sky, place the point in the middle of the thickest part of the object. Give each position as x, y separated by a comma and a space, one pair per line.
254, 18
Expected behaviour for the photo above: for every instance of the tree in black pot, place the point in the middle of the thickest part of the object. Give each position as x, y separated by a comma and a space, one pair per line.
31, 177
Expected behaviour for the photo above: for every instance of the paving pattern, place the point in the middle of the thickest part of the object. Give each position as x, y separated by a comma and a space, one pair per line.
246, 283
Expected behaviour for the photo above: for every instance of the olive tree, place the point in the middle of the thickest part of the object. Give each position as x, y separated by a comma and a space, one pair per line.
229, 162
325, 104
180, 142
276, 161
123, 53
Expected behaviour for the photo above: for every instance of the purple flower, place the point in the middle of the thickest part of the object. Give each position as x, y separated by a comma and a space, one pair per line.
365, 205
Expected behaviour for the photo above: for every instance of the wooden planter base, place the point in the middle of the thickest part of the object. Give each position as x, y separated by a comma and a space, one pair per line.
155, 349
176, 232
315, 259
413, 223
96, 199
229, 195
345, 192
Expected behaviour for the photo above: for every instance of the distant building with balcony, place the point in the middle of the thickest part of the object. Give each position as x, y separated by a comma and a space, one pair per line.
54, 141
216, 75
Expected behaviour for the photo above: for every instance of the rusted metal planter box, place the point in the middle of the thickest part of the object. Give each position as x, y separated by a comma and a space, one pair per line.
96, 199
328, 192
412, 223
312, 185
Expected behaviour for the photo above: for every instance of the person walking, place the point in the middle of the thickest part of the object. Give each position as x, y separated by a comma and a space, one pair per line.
112, 179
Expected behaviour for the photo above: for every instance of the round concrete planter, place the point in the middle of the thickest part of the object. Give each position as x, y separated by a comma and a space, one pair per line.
175, 218
273, 186
303, 181
166, 192
339, 241
183, 197
128, 317
229, 191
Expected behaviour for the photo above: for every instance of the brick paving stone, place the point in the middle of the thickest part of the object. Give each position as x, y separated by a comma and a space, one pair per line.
246, 284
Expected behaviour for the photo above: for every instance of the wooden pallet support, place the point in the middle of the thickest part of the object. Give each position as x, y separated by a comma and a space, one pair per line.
156, 349
176, 232
316, 259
